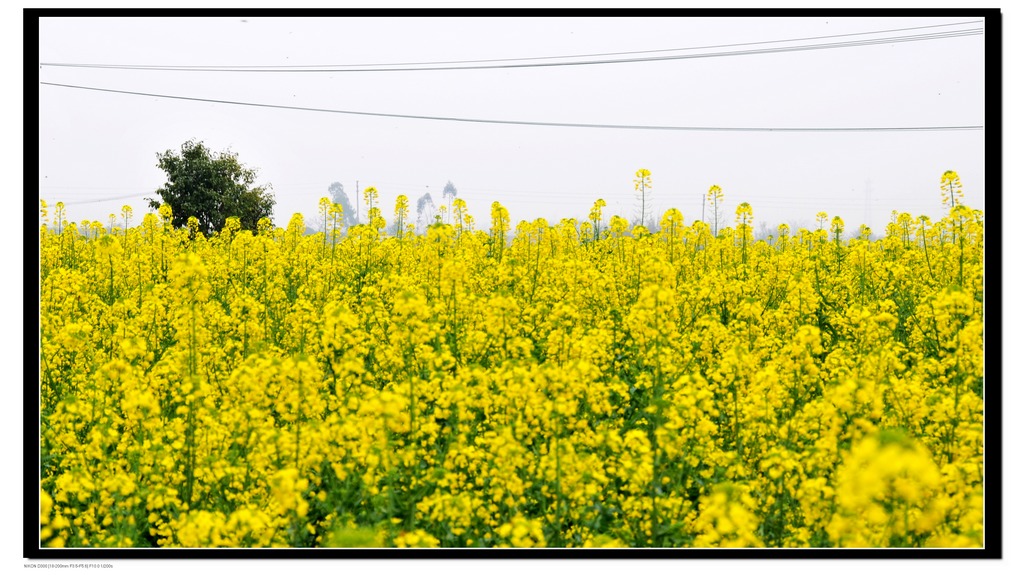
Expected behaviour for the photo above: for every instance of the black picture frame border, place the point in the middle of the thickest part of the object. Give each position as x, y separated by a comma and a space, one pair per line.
993, 297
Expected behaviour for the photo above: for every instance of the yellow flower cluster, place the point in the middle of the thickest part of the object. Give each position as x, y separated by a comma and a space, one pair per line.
571, 385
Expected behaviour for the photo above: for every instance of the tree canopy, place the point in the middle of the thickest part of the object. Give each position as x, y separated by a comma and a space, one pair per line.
211, 187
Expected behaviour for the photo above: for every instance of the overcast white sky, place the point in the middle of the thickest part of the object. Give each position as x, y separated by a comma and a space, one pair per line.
95, 145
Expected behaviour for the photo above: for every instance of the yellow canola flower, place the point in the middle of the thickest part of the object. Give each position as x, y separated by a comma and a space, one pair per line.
884, 485
567, 382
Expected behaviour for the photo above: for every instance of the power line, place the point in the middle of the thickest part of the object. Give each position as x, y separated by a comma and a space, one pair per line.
104, 188
449, 62
773, 201
890, 40
469, 191
770, 201
531, 123
101, 200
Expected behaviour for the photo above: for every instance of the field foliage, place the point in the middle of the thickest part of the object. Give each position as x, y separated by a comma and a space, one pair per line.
578, 383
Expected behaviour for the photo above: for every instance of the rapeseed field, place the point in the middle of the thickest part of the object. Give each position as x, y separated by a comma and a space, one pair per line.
559, 384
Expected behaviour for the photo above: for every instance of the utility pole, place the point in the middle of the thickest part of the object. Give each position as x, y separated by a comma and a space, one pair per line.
357, 202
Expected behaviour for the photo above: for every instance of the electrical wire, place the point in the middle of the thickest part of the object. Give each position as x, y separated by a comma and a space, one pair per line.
531, 123
470, 192
102, 200
806, 47
526, 59
770, 202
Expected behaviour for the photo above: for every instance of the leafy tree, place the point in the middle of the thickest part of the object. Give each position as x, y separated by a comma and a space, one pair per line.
211, 187
338, 196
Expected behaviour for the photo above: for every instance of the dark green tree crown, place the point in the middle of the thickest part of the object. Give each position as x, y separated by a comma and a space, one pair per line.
212, 188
